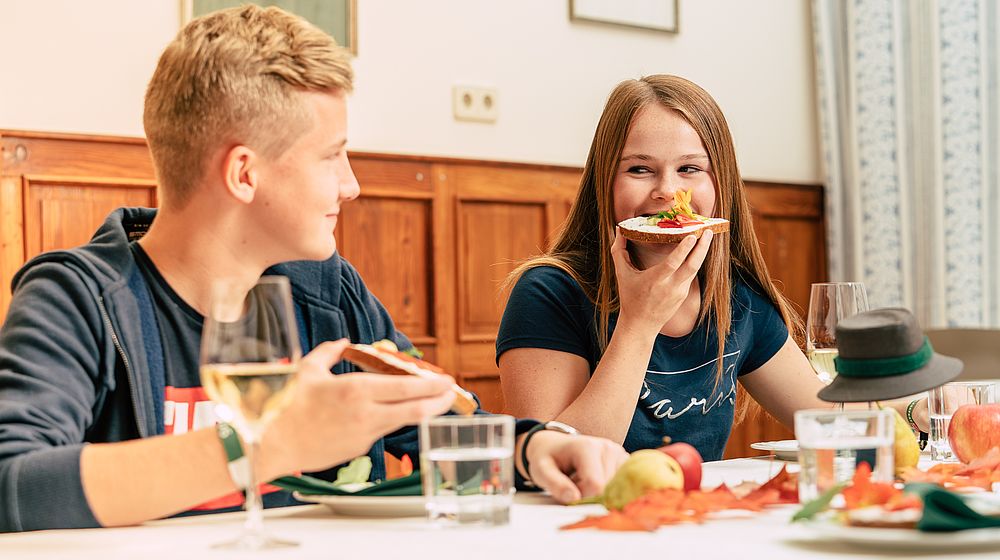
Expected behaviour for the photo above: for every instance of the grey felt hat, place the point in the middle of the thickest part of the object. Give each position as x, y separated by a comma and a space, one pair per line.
883, 354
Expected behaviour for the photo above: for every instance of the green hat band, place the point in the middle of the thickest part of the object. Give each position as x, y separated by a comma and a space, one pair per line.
885, 367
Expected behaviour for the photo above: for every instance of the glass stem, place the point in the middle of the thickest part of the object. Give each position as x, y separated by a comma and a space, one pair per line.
254, 525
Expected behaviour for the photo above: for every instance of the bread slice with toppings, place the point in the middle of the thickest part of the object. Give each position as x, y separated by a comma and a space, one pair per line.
640, 229
879, 517
384, 357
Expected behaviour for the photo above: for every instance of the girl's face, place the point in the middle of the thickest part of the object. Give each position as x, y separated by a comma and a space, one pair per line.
662, 155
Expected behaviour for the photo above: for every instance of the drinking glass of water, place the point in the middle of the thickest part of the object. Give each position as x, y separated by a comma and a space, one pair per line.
467, 469
829, 302
249, 356
942, 403
832, 443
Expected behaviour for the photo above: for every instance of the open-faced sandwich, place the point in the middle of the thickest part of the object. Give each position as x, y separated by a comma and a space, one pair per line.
883, 517
384, 357
672, 226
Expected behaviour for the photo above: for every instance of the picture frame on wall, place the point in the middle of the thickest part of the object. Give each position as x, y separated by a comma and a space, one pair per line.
655, 15
339, 18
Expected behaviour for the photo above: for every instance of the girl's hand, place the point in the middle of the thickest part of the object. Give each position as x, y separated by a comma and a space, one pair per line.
649, 298
572, 467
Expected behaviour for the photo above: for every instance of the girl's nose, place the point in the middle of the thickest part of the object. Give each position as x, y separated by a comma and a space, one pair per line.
664, 189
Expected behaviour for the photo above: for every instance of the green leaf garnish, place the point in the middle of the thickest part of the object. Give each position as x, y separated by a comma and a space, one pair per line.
810, 509
358, 470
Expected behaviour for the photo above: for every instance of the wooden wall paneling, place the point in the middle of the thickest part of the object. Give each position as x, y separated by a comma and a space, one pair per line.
388, 239
487, 388
405, 178
74, 155
504, 215
11, 237
64, 212
445, 304
53, 185
493, 237
788, 220
789, 246
387, 235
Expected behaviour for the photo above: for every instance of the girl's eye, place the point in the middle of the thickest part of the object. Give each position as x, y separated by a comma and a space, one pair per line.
688, 169
639, 169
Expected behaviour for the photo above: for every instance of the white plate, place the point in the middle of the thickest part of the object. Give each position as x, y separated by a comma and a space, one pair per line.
786, 449
900, 539
370, 506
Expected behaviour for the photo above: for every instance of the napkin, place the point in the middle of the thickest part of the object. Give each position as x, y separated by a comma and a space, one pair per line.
946, 511
304, 484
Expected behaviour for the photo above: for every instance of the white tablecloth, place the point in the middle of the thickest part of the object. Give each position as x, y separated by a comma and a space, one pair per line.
532, 533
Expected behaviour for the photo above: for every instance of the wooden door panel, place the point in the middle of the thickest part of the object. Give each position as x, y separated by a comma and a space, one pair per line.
388, 240
493, 237
788, 221
477, 359
488, 390
790, 250
63, 213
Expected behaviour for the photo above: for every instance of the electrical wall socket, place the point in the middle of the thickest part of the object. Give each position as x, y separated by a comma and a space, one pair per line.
477, 104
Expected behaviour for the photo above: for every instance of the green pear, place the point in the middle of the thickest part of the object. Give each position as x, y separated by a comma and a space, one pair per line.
644, 471
906, 450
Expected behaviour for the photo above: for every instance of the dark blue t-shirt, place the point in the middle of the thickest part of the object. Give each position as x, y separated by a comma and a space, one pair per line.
548, 309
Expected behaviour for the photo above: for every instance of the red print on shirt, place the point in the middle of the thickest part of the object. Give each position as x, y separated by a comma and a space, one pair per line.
186, 409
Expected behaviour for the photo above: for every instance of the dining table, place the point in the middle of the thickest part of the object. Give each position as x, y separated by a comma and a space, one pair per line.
533, 532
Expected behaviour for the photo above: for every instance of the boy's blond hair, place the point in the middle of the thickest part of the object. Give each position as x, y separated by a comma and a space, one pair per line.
233, 77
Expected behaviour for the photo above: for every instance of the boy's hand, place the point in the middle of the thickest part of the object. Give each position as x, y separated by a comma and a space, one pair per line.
333, 419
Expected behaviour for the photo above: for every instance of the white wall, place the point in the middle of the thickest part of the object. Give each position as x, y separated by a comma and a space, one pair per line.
80, 65
83, 66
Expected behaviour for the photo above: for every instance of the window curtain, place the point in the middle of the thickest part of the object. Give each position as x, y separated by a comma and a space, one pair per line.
909, 118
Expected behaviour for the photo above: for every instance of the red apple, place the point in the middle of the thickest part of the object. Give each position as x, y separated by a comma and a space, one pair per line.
690, 461
974, 429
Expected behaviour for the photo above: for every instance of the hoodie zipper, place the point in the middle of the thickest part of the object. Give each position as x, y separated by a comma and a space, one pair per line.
140, 424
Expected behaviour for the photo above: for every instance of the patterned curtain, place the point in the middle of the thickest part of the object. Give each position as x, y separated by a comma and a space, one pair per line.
910, 117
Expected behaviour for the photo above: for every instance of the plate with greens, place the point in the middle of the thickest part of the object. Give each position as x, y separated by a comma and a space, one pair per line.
351, 494
369, 506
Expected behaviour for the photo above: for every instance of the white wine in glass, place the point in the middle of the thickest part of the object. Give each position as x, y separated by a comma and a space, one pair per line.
254, 391
249, 357
829, 302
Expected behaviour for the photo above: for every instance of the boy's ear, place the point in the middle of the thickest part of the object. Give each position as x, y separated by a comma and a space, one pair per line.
241, 173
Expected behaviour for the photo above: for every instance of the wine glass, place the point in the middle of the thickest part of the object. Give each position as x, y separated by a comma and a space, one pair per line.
829, 302
249, 356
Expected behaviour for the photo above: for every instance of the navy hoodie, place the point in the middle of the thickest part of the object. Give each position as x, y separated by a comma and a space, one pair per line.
81, 362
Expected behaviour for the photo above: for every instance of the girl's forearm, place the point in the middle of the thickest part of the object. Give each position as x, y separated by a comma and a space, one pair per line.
606, 405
